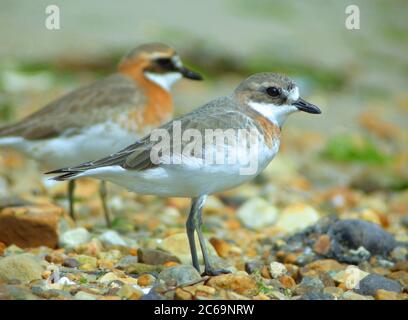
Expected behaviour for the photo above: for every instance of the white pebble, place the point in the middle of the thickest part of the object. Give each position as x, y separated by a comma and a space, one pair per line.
277, 269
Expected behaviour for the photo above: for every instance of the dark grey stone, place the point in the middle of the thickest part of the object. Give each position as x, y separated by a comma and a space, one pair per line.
253, 266
70, 263
308, 285
373, 282
349, 235
179, 275
313, 295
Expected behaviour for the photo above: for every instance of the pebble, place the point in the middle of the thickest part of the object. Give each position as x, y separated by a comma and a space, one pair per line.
64, 281
257, 214
112, 238
73, 238
287, 282
354, 234
386, 295
23, 267
117, 276
182, 294
401, 266
373, 282
86, 262
297, 217
401, 277
253, 266
70, 263
322, 245
326, 265
129, 292
225, 249
108, 278
146, 280
13, 292
350, 295
351, 277
206, 289
81, 295
240, 283
152, 256
177, 245
400, 254
334, 291
309, 284
277, 269
139, 268
179, 275
316, 296
51, 293
32, 225
278, 295
126, 261
153, 294
404, 221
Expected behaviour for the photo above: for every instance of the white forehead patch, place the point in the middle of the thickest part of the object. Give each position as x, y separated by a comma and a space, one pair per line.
177, 61
293, 95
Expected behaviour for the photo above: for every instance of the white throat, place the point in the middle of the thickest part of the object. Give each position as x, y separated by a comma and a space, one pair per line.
275, 114
165, 80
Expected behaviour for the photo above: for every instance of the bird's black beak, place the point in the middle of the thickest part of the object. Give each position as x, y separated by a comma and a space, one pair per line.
189, 74
305, 106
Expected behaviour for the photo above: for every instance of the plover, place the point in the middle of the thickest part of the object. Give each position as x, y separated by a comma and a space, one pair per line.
260, 105
104, 116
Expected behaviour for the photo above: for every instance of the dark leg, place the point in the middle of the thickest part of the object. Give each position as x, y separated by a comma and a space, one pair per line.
103, 194
209, 269
71, 200
190, 226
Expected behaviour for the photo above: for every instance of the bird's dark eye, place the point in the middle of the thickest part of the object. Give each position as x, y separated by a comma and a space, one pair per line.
273, 91
165, 63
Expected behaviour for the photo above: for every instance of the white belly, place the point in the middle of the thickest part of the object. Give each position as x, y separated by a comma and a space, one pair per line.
69, 150
182, 180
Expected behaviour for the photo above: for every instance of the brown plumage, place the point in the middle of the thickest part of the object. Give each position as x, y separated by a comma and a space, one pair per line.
126, 97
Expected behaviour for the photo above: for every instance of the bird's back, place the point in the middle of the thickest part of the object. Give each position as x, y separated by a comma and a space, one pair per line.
95, 103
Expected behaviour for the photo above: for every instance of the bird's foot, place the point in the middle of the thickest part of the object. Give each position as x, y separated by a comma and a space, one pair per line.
214, 272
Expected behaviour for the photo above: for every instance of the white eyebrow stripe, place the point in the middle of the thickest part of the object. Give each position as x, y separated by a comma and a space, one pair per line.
177, 61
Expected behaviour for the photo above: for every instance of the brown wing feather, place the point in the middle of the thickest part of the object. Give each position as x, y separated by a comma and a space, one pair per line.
90, 104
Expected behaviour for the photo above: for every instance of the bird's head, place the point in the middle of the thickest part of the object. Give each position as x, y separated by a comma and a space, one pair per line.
159, 63
274, 96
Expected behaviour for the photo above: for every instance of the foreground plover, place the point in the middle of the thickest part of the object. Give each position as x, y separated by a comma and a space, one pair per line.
102, 117
195, 166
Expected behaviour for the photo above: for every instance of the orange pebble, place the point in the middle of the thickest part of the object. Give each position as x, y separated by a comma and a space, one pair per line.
233, 224
170, 264
265, 273
287, 282
133, 251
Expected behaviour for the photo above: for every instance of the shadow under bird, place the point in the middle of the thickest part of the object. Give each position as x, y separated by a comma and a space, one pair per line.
103, 117
260, 104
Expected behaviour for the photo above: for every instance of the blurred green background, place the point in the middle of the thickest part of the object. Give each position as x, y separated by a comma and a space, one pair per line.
358, 77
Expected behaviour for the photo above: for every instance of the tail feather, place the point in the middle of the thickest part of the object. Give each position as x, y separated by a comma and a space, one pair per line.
114, 159
64, 174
